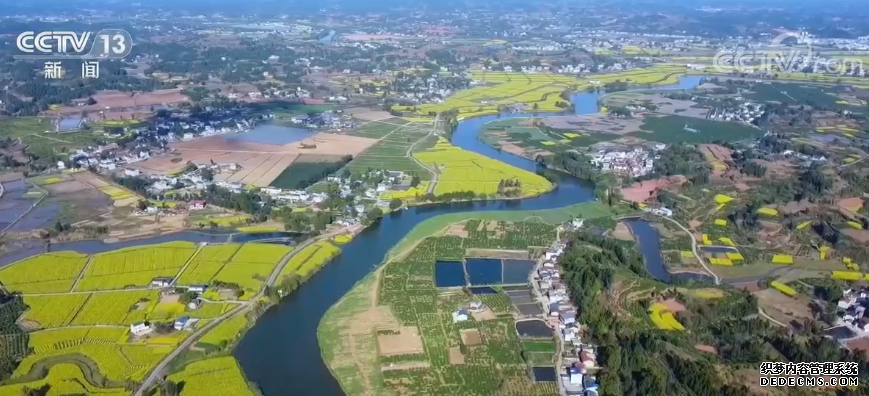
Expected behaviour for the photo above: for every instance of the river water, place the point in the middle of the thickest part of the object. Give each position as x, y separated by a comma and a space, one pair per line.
281, 353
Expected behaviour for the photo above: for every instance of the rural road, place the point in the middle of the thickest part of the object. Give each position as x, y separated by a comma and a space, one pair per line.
694, 250
409, 154
769, 318
156, 373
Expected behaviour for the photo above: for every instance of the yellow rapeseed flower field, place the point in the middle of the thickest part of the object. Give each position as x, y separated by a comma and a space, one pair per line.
215, 376
461, 170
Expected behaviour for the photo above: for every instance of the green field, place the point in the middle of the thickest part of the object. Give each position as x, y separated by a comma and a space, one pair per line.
38, 133
378, 129
530, 137
406, 287
391, 152
671, 129
588, 210
302, 173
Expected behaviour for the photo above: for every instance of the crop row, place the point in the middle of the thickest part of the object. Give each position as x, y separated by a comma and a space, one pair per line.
116, 307
218, 376
64, 379
225, 332
46, 273
117, 363
165, 256
267, 253
54, 310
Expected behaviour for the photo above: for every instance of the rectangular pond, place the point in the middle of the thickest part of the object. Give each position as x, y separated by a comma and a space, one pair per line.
482, 290
484, 271
544, 374
517, 271
272, 134
449, 274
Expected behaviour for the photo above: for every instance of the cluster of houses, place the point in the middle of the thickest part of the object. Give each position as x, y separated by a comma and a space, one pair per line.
746, 112
579, 357
326, 120
852, 308
183, 323
633, 163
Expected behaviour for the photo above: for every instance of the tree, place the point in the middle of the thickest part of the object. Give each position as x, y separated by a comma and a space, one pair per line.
142, 204
395, 204
373, 214
414, 181
207, 174
169, 388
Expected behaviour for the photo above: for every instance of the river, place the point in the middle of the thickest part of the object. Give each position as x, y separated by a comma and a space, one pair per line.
281, 353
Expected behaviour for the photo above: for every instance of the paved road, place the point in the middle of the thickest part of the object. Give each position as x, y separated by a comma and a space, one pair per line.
157, 372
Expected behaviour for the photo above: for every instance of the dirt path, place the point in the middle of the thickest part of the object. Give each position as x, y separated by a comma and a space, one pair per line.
409, 154
694, 250
184, 268
81, 274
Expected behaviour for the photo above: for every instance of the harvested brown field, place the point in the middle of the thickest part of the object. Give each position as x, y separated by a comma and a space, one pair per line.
90, 179
486, 314
374, 37
673, 305
715, 152
861, 236
320, 144
456, 230
471, 337
368, 114
260, 163
511, 148
456, 356
747, 286
860, 344
797, 207
407, 342
116, 100
642, 191
852, 204
66, 187
497, 253
405, 366
773, 301
706, 348
622, 232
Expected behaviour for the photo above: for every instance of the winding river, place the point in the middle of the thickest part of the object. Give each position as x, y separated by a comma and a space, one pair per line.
281, 353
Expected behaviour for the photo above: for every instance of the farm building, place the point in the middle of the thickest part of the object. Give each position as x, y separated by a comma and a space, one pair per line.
141, 328
194, 303
199, 288
181, 322
161, 282
460, 316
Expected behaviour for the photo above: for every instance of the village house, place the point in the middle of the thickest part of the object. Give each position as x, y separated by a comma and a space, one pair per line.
194, 304
141, 328
460, 316
161, 282
198, 288
197, 204
181, 323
